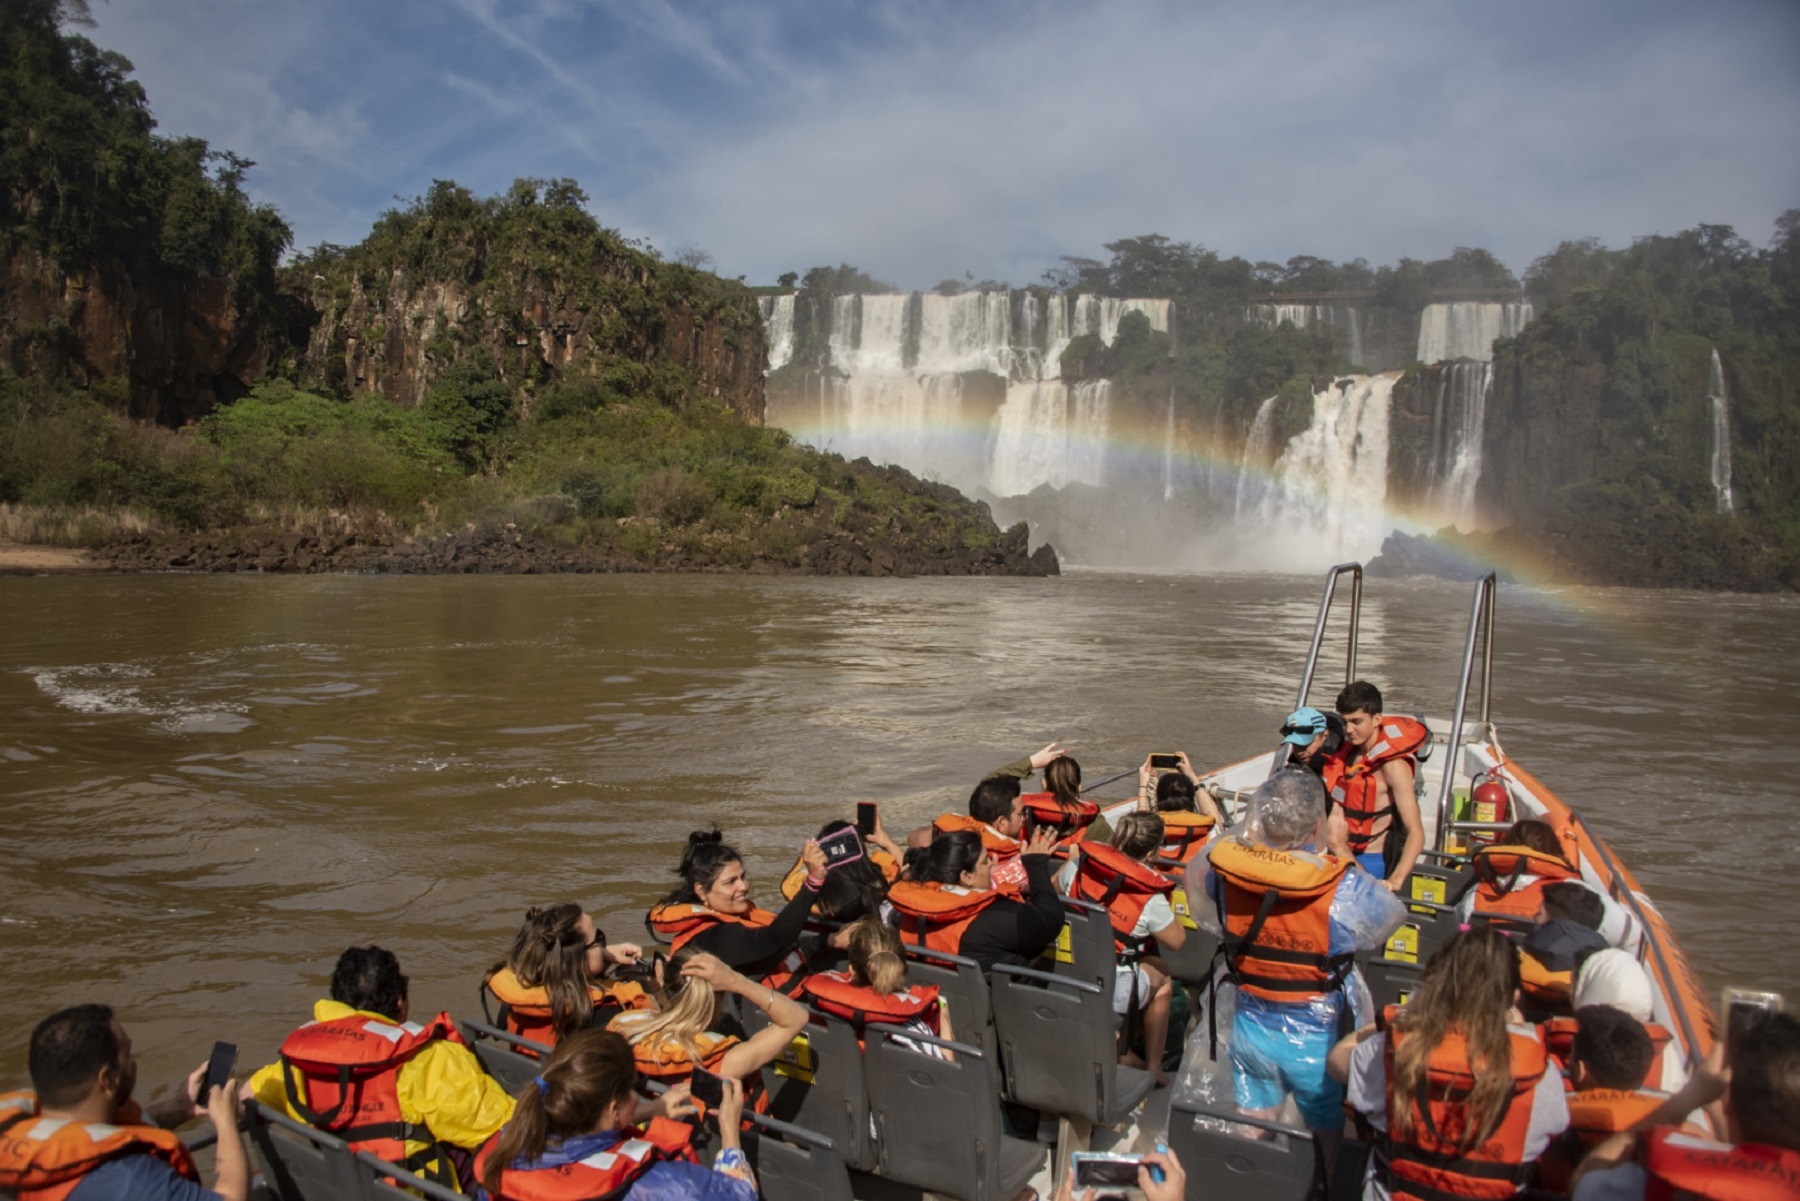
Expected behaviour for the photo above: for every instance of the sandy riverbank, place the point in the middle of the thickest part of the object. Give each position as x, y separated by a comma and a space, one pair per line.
16, 558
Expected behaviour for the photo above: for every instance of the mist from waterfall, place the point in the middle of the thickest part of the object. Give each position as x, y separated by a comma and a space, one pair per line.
1721, 435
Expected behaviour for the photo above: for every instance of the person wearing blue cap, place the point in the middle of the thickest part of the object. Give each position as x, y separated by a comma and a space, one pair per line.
1313, 741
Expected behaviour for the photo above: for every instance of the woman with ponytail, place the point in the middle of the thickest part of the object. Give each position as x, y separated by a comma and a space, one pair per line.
1456, 1084
575, 1136
712, 910
873, 990
551, 984
670, 1044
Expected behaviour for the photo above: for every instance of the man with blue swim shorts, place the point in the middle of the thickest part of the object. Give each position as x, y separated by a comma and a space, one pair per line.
1372, 785
1290, 919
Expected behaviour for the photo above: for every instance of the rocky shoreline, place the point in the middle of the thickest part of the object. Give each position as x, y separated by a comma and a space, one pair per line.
511, 551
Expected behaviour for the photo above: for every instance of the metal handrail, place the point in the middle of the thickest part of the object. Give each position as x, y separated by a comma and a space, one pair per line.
1355, 572
1481, 607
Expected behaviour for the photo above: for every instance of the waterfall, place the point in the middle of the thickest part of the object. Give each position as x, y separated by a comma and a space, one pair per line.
1052, 433
778, 324
1454, 467
1466, 329
1331, 481
1721, 435
1168, 474
1255, 460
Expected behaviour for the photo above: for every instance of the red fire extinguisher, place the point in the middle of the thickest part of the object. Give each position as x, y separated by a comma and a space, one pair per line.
1491, 803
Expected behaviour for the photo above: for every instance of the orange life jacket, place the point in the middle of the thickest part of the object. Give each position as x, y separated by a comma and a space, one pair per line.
1541, 986
1184, 834
1430, 1165
1275, 910
1594, 1114
683, 921
1107, 876
665, 1059
527, 1012
1071, 825
1687, 1166
46, 1159
936, 915
1355, 786
1559, 1037
886, 864
605, 1174
1499, 893
837, 994
342, 1076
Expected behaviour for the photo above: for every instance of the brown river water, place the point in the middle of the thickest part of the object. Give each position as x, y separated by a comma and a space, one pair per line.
212, 785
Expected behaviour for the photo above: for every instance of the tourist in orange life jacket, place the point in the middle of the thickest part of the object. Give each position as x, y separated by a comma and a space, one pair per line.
873, 989
1459, 1089
1612, 977
418, 1097
576, 1136
551, 983
1510, 875
1760, 1157
1136, 895
1374, 792
1567, 932
1290, 921
669, 1044
1314, 741
855, 888
997, 814
947, 901
1607, 1063
1189, 814
77, 1134
711, 910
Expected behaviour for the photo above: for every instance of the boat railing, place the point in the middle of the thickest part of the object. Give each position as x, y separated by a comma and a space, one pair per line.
1481, 630
1332, 575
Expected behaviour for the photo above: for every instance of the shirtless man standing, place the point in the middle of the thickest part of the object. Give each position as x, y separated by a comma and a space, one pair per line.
1375, 790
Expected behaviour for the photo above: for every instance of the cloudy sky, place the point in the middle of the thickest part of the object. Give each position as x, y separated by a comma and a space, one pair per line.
922, 140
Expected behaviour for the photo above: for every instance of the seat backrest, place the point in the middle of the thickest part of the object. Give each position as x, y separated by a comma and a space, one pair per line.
303, 1164
1193, 959
937, 1121
1059, 1047
819, 1084
1084, 949
1422, 932
499, 1053
1390, 981
962, 986
794, 1162
390, 1182
1220, 1161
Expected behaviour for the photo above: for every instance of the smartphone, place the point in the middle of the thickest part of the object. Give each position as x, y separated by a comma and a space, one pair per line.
218, 1069
1165, 763
843, 847
1743, 1009
865, 818
707, 1089
1094, 1169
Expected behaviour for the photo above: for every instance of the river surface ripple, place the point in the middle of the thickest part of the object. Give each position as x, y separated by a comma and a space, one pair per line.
212, 785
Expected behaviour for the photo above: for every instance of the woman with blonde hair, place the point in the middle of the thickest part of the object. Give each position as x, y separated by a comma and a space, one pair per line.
873, 989
1457, 1084
670, 1044
552, 983
575, 1133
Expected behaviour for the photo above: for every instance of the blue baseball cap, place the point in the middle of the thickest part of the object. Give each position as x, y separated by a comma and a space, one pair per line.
1302, 726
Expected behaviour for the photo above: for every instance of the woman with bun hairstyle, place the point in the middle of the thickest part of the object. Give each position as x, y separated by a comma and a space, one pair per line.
873, 989
575, 1135
551, 984
947, 902
668, 1045
711, 910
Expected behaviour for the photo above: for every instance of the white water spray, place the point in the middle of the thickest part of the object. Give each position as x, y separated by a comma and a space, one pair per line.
1458, 426
1466, 329
1330, 482
1721, 432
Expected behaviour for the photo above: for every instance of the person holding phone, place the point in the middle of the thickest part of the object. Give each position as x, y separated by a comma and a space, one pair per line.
1173, 793
857, 879
1157, 1174
552, 982
670, 1043
78, 1134
576, 1131
711, 910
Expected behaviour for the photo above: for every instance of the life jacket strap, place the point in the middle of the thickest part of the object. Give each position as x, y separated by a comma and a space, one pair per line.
310, 1116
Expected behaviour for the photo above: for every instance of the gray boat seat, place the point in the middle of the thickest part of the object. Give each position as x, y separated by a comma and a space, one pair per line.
1084, 949
1222, 1163
962, 986
1425, 929
937, 1121
818, 1084
499, 1053
1060, 1047
793, 1162
1390, 981
1438, 878
300, 1163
